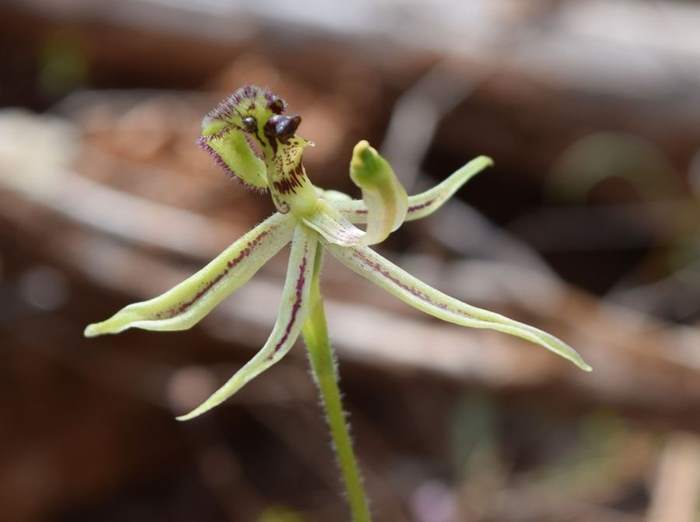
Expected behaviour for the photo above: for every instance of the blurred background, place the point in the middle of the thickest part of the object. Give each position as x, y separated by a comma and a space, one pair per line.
587, 227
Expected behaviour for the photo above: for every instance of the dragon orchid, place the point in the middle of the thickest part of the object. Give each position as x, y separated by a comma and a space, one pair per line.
251, 138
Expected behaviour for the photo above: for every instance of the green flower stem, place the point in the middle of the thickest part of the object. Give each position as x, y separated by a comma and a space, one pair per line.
325, 373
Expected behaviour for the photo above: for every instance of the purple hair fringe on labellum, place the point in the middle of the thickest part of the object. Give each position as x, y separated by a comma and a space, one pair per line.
203, 143
231, 111
226, 108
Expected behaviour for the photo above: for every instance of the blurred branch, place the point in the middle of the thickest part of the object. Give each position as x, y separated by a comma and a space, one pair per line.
412, 126
574, 43
417, 113
677, 485
45, 181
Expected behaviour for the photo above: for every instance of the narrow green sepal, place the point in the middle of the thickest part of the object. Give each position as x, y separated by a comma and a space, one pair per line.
184, 305
412, 291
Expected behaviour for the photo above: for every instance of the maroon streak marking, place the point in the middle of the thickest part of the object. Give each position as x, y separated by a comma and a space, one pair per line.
292, 180
230, 265
420, 205
412, 290
362, 211
295, 307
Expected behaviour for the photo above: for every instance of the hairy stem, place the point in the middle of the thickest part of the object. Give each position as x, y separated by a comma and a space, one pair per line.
325, 373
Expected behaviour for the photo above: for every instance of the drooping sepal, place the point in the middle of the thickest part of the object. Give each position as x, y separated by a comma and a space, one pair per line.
186, 304
293, 311
425, 298
384, 196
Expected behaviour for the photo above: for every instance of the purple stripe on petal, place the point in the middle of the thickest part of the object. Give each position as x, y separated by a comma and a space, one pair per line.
298, 299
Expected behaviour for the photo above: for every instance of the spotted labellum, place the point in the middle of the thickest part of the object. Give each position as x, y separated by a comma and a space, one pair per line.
251, 138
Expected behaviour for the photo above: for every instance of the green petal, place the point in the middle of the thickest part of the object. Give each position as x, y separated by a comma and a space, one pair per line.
425, 203
184, 305
332, 226
383, 194
290, 319
414, 292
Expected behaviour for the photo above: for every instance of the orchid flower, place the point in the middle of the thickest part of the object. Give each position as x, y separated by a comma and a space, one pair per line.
252, 139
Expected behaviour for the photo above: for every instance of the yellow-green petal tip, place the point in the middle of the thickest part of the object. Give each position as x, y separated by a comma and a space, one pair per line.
186, 417
92, 330
486, 161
